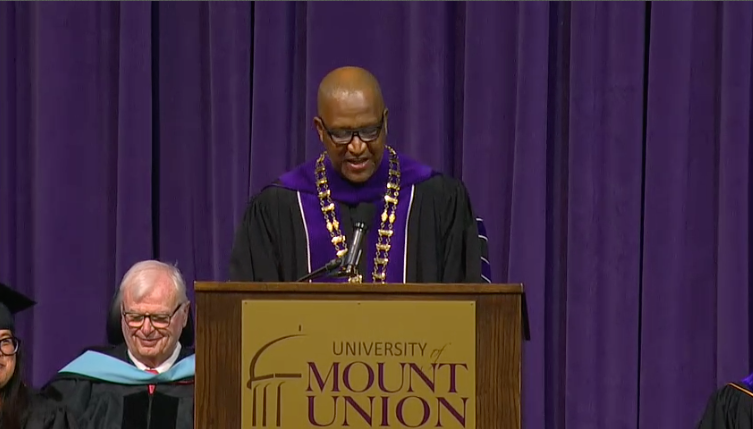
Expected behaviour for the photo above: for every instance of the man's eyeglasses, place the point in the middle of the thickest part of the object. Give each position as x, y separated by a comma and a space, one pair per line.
345, 136
159, 320
9, 346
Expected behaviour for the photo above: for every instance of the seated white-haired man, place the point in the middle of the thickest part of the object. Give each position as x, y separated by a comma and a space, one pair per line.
147, 381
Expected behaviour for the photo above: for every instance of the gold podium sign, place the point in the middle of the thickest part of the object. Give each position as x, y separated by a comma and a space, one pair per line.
359, 364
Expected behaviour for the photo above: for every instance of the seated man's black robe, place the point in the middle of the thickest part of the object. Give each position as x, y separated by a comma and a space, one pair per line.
730, 407
436, 239
103, 389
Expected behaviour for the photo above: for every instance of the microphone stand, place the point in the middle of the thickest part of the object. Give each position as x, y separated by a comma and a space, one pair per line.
328, 269
334, 269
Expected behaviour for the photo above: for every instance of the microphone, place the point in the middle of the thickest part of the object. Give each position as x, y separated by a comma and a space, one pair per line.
348, 264
362, 217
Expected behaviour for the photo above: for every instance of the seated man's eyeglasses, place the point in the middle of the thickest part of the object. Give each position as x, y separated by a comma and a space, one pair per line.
158, 320
9, 346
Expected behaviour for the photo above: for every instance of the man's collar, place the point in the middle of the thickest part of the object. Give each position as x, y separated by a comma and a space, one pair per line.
303, 179
166, 365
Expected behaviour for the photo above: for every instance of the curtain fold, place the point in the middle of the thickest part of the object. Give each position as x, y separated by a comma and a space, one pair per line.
73, 63
605, 145
605, 160
733, 255
696, 207
133, 146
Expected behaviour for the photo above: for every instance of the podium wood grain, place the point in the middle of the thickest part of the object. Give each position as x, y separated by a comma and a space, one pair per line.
218, 366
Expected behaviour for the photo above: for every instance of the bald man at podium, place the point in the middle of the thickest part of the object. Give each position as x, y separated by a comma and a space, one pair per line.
361, 211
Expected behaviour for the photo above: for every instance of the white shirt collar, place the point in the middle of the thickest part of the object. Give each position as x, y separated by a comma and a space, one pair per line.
166, 365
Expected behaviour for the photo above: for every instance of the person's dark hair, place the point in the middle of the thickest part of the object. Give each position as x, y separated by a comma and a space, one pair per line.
14, 397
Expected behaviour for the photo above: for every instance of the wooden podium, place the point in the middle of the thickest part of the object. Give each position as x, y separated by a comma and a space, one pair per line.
494, 314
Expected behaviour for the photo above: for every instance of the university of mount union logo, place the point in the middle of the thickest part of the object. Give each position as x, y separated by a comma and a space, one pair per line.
357, 384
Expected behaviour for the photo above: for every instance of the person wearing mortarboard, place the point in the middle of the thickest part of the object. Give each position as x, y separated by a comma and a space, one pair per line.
20, 406
145, 379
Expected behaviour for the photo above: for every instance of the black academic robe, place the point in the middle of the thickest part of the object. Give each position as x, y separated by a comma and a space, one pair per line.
730, 407
99, 404
44, 413
283, 236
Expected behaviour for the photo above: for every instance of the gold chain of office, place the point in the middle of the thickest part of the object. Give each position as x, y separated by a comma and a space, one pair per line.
387, 219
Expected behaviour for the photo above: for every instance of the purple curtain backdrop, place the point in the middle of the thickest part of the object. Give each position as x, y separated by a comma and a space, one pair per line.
606, 145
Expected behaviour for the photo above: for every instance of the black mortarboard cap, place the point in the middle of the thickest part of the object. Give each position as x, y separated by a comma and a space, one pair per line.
11, 302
